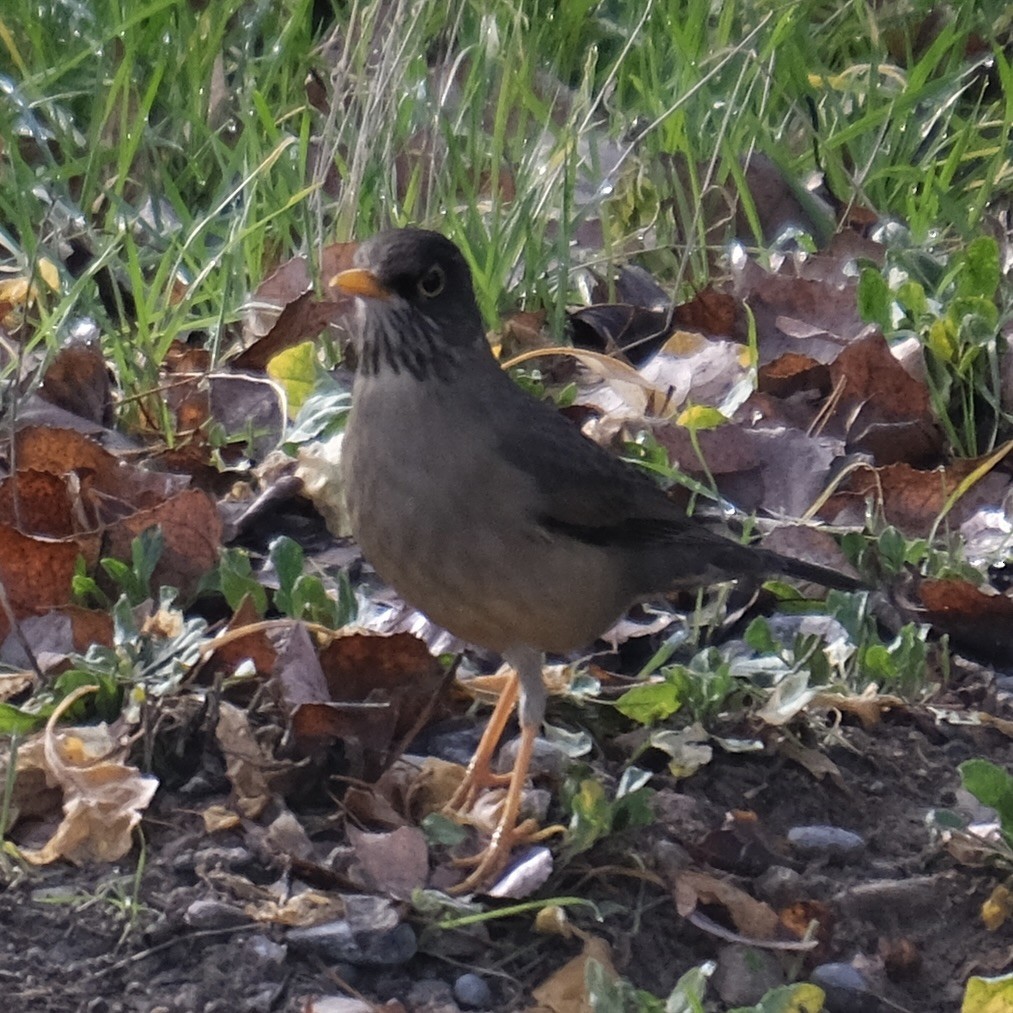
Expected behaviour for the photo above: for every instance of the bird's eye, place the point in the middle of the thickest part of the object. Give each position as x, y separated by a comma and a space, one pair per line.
432, 282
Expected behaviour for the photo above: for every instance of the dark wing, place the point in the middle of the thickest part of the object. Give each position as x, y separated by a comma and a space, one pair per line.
588, 494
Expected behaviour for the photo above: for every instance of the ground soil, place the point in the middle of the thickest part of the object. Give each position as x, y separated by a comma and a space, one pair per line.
71, 941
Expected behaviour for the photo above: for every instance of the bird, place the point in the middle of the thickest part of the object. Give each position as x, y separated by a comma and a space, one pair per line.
491, 512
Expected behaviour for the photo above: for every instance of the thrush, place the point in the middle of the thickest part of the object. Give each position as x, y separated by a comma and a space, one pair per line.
491, 512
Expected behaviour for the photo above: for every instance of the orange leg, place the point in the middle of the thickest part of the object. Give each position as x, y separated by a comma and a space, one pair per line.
493, 858
528, 688
479, 774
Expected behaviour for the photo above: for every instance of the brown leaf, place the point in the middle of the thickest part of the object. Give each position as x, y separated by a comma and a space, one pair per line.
249, 765
792, 372
77, 380
192, 531
565, 990
36, 572
911, 499
238, 647
357, 665
302, 319
867, 373
41, 503
750, 917
394, 864
983, 622
610, 328
291, 311
781, 303
114, 486
710, 311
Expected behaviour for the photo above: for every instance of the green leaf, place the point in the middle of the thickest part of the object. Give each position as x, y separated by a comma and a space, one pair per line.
942, 339
322, 415
802, 997
440, 829
911, 296
13, 719
287, 558
892, 547
874, 298
689, 991
988, 995
295, 369
992, 786
236, 581
759, 637
650, 702
311, 601
980, 270
591, 817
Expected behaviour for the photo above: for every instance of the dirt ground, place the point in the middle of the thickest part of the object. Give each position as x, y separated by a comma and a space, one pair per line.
899, 901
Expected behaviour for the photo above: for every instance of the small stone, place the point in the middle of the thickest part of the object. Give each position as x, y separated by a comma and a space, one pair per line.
213, 914
744, 975
336, 941
219, 858
471, 991
341, 1004
780, 886
547, 760
831, 842
846, 989
432, 996
265, 952
886, 902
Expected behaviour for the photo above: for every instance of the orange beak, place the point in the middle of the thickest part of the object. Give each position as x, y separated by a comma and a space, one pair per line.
359, 281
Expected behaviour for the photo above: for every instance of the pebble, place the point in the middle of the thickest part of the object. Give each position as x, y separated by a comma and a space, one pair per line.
780, 886
846, 989
266, 953
831, 842
471, 991
885, 902
336, 941
233, 859
744, 975
431, 996
547, 759
213, 914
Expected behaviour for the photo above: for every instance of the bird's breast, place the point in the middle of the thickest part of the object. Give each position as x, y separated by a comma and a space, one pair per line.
453, 526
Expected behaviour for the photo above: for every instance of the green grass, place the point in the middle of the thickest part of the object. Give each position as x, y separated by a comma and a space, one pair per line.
202, 118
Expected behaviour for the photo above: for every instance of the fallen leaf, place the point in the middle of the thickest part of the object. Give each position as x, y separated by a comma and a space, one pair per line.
565, 990
103, 797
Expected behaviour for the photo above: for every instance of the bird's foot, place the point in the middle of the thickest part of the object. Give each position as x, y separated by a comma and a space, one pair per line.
492, 859
477, 778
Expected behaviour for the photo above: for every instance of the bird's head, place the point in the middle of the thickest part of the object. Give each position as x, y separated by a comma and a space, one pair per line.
418, 309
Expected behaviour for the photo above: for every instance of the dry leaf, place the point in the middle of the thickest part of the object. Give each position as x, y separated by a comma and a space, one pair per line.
752, 918
103, 797
246, 762
565, 991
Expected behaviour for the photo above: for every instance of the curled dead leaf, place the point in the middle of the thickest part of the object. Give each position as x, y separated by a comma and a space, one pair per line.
103, 797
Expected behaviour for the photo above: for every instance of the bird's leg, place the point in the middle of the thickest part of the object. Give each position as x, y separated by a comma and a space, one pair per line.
479, 774
528, 666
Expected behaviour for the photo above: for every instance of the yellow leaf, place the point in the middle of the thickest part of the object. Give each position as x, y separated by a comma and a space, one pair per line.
942, 339
296, 370
701, 417
49, 273
997, 908
988, 995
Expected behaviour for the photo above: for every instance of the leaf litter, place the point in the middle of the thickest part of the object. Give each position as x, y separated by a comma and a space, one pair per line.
293, 778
